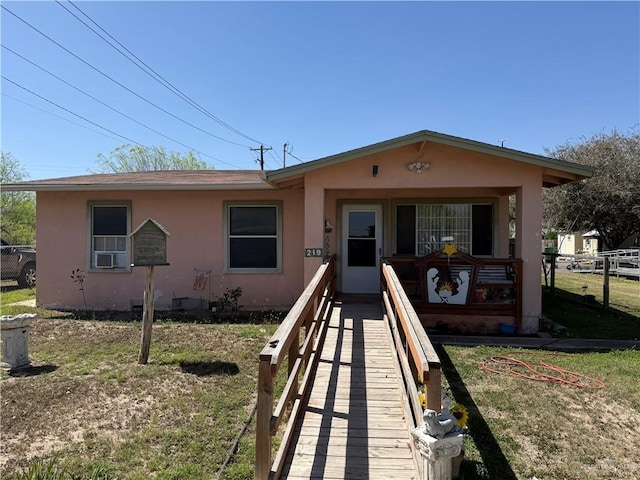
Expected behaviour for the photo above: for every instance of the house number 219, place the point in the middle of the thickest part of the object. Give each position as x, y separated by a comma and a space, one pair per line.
313, 252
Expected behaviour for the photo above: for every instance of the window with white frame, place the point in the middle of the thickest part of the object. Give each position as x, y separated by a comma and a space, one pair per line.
253, 237
109, 236
423, 228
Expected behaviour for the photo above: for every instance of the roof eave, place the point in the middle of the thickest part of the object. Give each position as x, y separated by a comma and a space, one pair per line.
429, 136
46, 187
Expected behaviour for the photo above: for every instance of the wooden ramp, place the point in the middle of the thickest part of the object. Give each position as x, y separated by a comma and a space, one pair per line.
354, 424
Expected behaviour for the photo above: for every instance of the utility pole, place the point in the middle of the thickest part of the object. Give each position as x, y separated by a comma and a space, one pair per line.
262, 150
284, 155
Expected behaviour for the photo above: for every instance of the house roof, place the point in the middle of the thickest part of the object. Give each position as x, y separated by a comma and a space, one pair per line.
555, 172
156, 180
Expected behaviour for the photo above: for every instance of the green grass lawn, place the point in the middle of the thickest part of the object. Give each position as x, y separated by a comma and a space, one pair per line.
624, 294
568, 307
87, 406
12, 294
524, 429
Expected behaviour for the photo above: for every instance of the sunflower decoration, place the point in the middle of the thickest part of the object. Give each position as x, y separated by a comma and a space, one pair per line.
421, 396
461, 413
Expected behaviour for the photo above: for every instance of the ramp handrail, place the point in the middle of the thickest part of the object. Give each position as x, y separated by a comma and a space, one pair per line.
311, 312
416, 355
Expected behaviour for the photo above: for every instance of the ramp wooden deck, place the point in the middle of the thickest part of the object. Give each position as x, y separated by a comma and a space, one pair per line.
354, 424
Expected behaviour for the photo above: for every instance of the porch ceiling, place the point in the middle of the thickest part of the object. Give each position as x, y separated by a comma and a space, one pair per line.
554, 178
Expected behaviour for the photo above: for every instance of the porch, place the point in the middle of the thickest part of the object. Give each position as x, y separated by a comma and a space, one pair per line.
478, 296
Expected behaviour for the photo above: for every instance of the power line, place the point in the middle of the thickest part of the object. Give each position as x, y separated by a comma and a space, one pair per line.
160, 78
114, 109
85, 127
273, 154
69, 111
118, 83
289, 152
150, 71
58, 116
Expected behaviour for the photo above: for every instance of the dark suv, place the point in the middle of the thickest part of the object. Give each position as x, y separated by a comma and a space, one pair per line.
18, 263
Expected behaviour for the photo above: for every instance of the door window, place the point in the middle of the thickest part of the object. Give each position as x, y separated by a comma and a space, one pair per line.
361, 244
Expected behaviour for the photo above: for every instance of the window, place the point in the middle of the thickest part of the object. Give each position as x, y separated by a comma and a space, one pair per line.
362, 240
253, 238
482, 229
109, 237
423, 228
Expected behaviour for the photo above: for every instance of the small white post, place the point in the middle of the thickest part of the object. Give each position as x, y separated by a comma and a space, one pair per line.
15, 340
438, 443
435, 455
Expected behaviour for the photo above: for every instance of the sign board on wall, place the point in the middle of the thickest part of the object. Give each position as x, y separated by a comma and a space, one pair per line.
313, 252
150, 244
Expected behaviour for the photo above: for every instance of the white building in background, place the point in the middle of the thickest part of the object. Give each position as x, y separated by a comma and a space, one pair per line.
576, 243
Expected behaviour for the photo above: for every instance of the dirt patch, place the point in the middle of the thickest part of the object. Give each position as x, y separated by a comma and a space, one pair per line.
86, 397
61, 412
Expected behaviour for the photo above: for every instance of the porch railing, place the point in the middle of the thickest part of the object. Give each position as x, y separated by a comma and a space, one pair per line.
306, 322
417, 358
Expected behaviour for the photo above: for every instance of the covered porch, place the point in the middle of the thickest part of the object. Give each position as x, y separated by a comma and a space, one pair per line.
409, 197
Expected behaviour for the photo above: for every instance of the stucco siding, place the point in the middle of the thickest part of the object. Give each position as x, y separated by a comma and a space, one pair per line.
449, 167
194, 221
453, 174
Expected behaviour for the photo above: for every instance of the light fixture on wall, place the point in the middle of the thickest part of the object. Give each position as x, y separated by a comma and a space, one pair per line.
328, 226
418, 166
374, 170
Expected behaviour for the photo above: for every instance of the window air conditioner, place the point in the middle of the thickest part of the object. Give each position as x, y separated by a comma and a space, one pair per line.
105, 260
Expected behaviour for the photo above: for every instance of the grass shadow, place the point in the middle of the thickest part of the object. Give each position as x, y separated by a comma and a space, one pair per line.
207, 369
495, 463
589, 319
5, 288
267, 317
33, 371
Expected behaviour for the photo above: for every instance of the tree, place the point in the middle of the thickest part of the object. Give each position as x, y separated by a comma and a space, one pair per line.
609, 202
134, 158
17, 209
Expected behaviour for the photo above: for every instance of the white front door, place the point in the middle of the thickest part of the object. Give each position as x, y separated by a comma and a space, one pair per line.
361, 248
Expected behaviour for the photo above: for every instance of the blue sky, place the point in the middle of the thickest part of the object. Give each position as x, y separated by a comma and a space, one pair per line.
326, 77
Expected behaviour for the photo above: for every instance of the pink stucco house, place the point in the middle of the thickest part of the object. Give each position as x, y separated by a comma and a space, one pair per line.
267, 231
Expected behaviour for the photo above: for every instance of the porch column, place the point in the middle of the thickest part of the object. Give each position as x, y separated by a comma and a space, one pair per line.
529, 248
313, 228
503, 227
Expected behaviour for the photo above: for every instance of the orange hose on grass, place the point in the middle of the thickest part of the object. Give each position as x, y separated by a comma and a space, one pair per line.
518, 368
